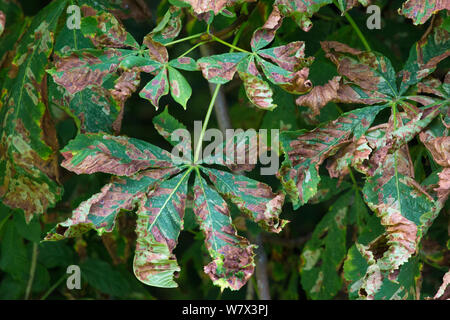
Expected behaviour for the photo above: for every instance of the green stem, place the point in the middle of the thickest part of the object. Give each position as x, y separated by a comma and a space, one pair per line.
352, 176
215, 93
205, 123
194, 36
52, 288
355, 27
394, 114
232, 46
193, 48
407, 106
32, 270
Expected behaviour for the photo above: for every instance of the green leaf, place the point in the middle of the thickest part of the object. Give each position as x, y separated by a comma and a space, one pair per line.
14, 24
166, 125
14, 256
103, 277
156, 88
305, 151
28, 160
93, 109
220, 68
30, 231
184, 63
232, 255
160, 220
324, 253
179, 87
253, 198
89, 153
55, 254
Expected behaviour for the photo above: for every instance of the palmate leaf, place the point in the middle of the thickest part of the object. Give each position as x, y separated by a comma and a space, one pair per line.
420, 11
148, 181
84, 70
28, 159
305, 151
290, 71
158, 58
369, 78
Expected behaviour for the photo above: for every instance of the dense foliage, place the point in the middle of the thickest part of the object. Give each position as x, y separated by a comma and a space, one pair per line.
357, 210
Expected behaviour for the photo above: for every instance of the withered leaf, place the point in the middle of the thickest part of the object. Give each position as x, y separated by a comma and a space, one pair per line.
420, 11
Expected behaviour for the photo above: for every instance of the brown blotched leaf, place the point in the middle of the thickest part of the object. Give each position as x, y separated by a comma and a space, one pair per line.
439, 148
355, 154
421, 10
319, 96
394, 139
370, 71
265, 35
205, 6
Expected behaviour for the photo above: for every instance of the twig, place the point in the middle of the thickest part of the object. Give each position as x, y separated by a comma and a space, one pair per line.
262, 279
32, 270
